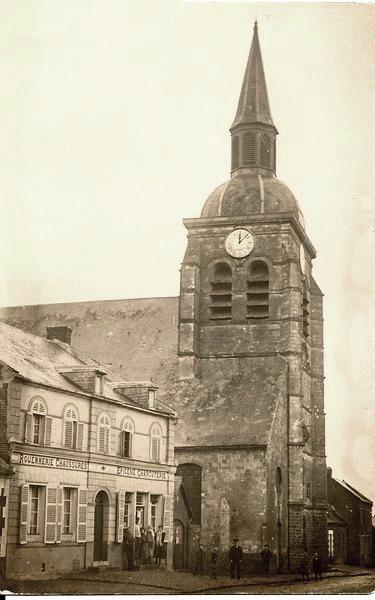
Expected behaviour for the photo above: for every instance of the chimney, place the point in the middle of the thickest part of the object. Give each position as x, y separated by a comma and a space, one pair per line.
61, 333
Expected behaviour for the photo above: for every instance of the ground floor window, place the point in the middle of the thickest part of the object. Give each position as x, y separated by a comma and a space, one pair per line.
35, 493
330, 543
69, 512
154, 499
128, 510
140, 509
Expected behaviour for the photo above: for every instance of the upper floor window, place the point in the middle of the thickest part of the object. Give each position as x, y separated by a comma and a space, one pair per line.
221, 292
126, 437
249, 152
73, 429
104, 429
155, 442
235, 152
38, 425
258, 291
265, 150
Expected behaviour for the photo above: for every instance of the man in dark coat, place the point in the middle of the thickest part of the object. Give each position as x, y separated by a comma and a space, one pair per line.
317, 566
266, 556
128, 544
235, 557
159, 545
305, 567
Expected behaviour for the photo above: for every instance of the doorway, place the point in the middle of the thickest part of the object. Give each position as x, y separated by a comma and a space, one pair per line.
178, 546
100, 521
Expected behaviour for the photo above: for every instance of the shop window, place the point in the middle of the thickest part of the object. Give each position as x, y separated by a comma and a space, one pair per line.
128, 510
35, 493
38, 426
221, 292
140, 511
249, 152
154, 500
258, 291
73, 429
126, 437
155, 445
104, 429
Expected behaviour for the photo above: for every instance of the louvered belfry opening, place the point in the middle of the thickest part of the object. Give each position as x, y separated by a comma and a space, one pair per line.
221, 292
305, 313
235, 152
265, 151
249, 149
258, 291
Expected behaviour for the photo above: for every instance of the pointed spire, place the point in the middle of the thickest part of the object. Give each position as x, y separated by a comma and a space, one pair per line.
253, 105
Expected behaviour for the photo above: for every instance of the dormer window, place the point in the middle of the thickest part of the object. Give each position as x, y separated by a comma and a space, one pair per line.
98, 385
151, 398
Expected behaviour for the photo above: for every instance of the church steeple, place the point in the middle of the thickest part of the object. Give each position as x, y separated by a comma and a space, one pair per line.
253, 131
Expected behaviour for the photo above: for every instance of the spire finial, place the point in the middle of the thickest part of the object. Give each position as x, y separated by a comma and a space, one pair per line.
255, 25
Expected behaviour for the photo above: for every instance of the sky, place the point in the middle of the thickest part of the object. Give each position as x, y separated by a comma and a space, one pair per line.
114, 118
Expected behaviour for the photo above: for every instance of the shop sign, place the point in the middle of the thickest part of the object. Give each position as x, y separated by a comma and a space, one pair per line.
52, 462
141, 473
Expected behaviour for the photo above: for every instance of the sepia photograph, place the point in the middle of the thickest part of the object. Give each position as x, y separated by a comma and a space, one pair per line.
187, 308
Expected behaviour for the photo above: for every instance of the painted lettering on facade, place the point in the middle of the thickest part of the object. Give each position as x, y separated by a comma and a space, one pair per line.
53, 462
141, 473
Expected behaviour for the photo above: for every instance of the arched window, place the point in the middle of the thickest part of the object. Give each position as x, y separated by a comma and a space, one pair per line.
126, 437
104, 429
248, 149
235, 152
258, 291
38, 426
221, 292
155, 442
73, 429
305, 312
265, 150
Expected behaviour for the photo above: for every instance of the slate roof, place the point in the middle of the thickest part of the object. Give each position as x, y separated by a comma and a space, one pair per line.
353, 491
253, 105
42, 361
138, 339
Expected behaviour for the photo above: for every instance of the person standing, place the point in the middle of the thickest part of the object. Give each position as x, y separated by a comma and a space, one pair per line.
235, 557
214, 557
266, 556
199, 560
150, 536
128, 544
159, 545
317, 566
137, 539
144, 546
305, 567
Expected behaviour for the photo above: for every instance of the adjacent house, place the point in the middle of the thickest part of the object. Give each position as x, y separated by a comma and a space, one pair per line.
90, 453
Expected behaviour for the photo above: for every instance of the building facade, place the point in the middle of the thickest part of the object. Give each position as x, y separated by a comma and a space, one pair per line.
89, 454
239, 355
356, 511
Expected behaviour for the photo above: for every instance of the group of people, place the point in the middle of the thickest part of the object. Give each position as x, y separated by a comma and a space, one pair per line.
236, 557
143, 546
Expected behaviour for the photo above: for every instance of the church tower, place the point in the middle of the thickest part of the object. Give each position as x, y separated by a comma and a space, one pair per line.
250, 391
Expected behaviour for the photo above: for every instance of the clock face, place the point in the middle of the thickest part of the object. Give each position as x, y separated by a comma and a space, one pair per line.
302, 258
239, 243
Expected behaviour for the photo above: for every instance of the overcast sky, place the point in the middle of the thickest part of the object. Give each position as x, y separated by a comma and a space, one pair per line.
114, 125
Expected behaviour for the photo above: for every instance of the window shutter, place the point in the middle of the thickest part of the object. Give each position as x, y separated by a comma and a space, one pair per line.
51, 516
101, 444
82, 515
154, 448
59, 514
106, 440
120, 516
68, 434
29, 428
122, 443
24, 509
130, 444
79, 436
167, 508
48, 431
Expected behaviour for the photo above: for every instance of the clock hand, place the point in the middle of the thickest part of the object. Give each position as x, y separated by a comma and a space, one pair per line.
239, 238
245, 236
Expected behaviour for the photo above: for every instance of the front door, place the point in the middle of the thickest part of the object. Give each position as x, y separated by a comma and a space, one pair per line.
178, 546
101, 508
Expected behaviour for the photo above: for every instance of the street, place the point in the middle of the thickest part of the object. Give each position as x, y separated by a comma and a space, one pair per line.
162, 581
